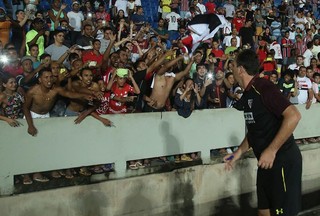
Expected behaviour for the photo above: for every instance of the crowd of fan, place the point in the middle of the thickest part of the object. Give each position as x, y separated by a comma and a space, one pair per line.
95, 57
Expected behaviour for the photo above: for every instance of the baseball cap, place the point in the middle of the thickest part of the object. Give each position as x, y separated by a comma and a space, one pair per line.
75, 2
122, 72
25, 58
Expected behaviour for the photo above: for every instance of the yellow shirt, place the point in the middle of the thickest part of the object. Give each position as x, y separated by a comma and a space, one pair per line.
166, 9
29, 37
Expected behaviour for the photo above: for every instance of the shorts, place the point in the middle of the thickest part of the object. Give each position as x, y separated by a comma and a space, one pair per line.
258, 31
36, 115
148, 108
279, 188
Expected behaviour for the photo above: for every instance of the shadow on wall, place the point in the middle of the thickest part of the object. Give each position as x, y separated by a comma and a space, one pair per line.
243, 204
136, 203
171, 143
182, 196
90, 202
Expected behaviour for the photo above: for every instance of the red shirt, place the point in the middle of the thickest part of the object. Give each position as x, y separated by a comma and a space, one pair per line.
104, 106
262, 55
13, 70
211, 7
238, 23
286, 50
90, 56
218, 53
106, 76
116, 106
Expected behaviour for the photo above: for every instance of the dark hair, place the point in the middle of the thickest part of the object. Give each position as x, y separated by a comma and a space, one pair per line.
56, 32
87, 24
228, 74
95, 40
84, 69
33, 45
44, 55
289, 73
18, 11
201, 64
73, 56
315, 75
107, 28
309, 44
249, 60
5, 77
44, 70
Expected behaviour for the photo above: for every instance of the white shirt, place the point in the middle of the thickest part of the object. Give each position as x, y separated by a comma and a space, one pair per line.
122, 5
304, 84
277, 49
227, 40
315, 50
172, 18
230, 9
75, 20
307, 57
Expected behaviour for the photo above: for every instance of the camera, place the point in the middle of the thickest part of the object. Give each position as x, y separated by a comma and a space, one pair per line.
4, 59
209, 75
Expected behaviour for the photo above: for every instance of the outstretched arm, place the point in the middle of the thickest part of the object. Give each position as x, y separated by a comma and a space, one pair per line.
32, 130
168, 65
185, 72
231, 159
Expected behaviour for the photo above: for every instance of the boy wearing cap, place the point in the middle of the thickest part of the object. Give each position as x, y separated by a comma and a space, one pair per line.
120, 91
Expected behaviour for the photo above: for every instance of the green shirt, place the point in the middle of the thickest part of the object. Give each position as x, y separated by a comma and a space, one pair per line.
29, 37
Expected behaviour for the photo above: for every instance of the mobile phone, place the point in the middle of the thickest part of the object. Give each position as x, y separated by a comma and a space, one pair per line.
92, 63
62, 70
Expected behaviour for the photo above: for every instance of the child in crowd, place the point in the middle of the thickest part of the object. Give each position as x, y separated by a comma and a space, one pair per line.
120, 91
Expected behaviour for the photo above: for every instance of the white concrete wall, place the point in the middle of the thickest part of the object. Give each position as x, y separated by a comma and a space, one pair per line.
61, 144
189, 191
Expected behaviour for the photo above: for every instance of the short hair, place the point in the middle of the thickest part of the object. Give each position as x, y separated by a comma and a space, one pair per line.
249, 60
44, 55
73, 56
18, 11
309, 44
301, 67
56, 32
33, 45
201, 64
96, 40
47, 69
87, 24
107, 28
84, 69
316, 74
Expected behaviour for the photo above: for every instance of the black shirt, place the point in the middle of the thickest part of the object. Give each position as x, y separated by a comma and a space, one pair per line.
263, 105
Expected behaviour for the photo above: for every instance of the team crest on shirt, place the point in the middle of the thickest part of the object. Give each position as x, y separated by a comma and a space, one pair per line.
250, 101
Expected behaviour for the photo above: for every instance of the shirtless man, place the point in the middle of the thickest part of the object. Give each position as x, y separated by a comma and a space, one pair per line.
41, 98
76, 106
162, 84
